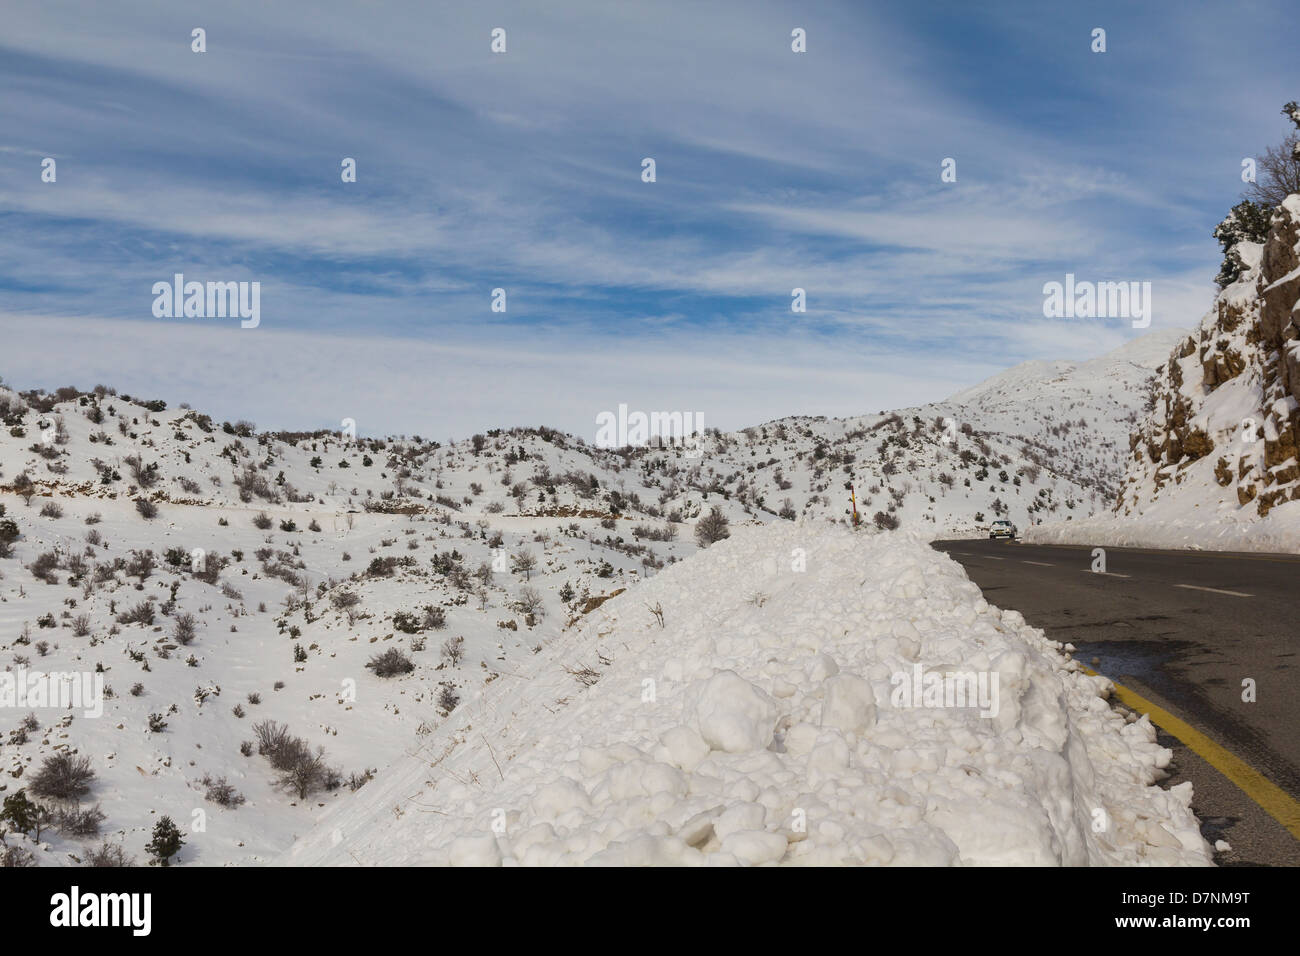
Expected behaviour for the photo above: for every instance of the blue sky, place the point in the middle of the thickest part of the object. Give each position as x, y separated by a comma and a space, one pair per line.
521, 170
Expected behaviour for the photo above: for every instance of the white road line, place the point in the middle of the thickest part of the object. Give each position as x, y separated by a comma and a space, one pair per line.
1041, 564
1193, 587
993, 558
1109, 574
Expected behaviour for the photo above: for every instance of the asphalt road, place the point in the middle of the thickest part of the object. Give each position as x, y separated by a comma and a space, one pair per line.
1182, 629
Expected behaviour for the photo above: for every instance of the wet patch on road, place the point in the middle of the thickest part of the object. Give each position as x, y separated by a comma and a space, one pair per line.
1160, 668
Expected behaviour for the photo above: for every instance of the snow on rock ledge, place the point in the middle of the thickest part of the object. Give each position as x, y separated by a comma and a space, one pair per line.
767, 722
1215, 464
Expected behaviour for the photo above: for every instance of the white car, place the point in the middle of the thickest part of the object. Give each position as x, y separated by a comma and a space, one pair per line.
1002, 529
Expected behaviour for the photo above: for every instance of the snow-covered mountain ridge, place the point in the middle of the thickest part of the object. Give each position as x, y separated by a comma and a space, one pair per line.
220, 579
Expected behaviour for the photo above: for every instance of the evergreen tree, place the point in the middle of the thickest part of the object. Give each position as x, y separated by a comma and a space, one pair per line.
1248, 221
19, 812
166, 842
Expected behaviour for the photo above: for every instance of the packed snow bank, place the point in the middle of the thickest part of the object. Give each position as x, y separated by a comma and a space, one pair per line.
1169, 527
768, 721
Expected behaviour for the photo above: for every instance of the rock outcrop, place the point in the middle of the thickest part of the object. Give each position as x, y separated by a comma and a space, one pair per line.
1224, 412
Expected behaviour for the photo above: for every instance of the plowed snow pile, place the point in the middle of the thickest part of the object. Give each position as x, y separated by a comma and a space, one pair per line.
765, 722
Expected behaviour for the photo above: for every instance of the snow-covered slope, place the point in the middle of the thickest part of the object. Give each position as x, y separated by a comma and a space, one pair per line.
295, 561
1042, 440
761, 720
1214, 463
279, 566
1035, 404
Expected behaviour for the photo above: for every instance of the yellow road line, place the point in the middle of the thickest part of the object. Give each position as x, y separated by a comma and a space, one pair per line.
1275, 801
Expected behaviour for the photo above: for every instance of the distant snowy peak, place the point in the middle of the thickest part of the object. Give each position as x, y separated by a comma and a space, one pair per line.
1148, 351
1025, 375
1144, 353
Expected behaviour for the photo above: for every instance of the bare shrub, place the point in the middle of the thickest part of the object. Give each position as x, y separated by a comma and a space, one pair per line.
146, 476
251, 484
210, 568
63, 777
141, 564
16, 857
80, 822
390, 663
529, 601
342, 600
306, 773
142, 613
301, 769
1278, 173
712, 528
453, 650
45, 566
272, 739
358, 780
221, 793
525, 561
108, 855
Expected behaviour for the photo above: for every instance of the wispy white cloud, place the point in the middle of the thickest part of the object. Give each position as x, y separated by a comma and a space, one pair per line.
818, 171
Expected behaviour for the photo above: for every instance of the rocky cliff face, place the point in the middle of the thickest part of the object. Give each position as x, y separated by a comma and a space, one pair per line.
1223, 421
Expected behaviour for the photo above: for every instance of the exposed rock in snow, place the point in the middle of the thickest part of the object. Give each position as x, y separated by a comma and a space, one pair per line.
1216, 461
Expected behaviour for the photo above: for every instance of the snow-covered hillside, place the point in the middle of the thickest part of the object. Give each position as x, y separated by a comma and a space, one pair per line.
1040, 441
356, 590
273, 576
1215, 461
1035, 405
761, 719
